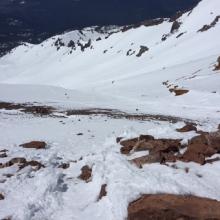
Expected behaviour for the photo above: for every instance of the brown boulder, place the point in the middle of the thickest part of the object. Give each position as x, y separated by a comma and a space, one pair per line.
202, 146
128, 145
2, 196
34, 144
173, 207
187, 128
86, 173
217, 66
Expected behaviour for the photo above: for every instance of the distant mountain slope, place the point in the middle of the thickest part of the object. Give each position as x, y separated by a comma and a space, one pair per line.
133, 66
35, 20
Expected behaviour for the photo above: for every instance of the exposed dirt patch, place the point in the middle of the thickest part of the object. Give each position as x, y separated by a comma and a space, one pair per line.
35, 144
188, 127
202, 146
86, 174
173, 207
175, 26
103, 192
22, 163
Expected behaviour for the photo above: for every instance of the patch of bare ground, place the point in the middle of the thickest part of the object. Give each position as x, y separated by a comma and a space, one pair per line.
27, 108
103, 192
22, 163
35, 145
161, 151
86, 174
173, 207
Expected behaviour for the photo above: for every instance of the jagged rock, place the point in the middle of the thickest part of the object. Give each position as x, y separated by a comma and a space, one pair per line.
2, 196
142, 50
86, 173
34, 144
103, 192
217, 66
175, 26
208, 26
202, 146
3, 155
64, 166
188, 127
173, 207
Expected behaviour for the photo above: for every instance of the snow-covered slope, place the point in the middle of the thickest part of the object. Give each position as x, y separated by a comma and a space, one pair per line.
165, 67
109, 62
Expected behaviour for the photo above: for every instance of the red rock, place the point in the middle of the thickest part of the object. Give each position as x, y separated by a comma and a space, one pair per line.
173, 207
86, 174
187, 128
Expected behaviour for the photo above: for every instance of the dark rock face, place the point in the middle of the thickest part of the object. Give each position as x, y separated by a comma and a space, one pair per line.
208, 26
217, 66
34, 144
103, 192
1, 196
175, 27
173, 207
142, 50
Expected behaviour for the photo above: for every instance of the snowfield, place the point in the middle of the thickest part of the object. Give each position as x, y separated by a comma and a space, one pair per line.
143, 70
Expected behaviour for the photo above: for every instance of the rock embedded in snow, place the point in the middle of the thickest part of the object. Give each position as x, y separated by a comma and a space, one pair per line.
103, 192
173, 207
202, 146
86, 173
188, 127
217, 66
2, 196
35, 144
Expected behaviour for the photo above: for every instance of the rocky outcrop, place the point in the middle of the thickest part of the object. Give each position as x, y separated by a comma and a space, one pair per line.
208, 26
2, 196
35, 144
173, 207
198, 149
217, 66
142, 50
22, 163
175, 27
